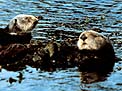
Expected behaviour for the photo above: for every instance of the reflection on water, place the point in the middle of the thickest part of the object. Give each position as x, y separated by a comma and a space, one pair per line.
69, 16
45, 81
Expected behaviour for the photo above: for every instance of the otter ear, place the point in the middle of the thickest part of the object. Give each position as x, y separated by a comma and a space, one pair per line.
39, 17
15, 21
15, 28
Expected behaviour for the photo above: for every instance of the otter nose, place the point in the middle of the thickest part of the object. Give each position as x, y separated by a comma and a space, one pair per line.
39, 17
83, 37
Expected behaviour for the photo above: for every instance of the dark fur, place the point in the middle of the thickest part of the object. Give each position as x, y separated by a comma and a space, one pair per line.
6, 38
101, 60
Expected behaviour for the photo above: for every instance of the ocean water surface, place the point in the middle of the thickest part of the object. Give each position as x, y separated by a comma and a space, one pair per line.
67, 17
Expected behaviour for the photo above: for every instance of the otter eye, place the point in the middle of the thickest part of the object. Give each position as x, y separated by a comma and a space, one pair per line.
83, 37
26, 18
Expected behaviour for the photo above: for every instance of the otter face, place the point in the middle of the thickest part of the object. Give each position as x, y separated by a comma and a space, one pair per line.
22, 23
91, 40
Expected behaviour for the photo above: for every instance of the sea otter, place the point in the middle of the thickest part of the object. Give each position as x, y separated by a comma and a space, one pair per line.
96, 52
91, 40
22, 23
17, 29
15, 41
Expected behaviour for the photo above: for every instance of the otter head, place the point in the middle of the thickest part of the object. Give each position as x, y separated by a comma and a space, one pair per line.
22, 23
91, 40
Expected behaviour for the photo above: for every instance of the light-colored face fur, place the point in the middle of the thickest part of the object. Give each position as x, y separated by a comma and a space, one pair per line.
22, 23
91, 40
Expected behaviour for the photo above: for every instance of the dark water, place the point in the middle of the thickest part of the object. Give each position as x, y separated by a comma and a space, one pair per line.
65, 17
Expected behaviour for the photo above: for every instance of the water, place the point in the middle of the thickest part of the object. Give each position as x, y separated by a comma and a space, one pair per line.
66, 17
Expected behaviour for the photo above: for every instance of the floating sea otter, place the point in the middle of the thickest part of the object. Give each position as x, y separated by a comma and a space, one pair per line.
22, 23
95, 52
14, 37
17, 29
